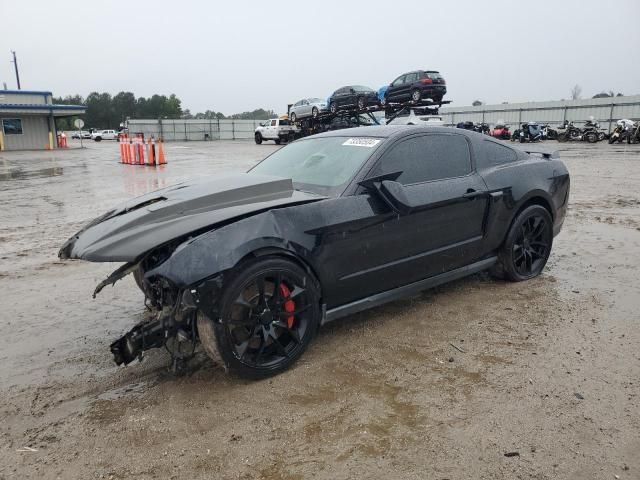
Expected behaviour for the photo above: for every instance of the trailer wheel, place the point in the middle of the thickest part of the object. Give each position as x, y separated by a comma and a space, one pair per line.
258, 138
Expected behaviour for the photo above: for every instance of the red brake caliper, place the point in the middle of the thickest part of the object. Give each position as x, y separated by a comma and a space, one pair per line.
289, 305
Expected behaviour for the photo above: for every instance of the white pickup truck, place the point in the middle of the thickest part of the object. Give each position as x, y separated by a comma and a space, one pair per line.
104, 135
276, 129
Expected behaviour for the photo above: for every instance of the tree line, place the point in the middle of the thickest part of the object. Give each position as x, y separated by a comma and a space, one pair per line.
107, 111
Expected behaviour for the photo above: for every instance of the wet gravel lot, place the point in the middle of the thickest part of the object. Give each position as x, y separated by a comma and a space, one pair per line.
478, 379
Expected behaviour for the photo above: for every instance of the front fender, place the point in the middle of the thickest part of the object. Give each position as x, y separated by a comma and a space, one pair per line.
218, 250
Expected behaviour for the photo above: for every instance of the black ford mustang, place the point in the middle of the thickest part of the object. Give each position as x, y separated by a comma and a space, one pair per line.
251, 264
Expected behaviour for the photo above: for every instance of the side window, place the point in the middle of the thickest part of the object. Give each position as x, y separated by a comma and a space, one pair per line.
274, 123
496, 154
427, 157
398, 81
410, 78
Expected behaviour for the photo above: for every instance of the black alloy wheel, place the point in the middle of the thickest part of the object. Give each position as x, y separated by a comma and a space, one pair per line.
591, 137
269, 314
292, 117
258, 138
416, 95
527, 246
314, 112
360, 103
333, 108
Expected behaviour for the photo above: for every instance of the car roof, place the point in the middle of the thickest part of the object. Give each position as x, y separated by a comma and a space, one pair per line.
393, 131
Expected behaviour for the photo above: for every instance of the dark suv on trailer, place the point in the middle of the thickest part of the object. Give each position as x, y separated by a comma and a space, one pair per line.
416, 86
352, 96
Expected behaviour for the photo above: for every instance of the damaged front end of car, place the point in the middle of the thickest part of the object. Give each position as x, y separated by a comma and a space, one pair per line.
172, 319
188, 221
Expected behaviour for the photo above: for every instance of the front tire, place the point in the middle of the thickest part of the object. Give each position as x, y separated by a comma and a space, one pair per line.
278, 141
333, 108
258, 138
314, 112
269, 313
360, 103
292, 117
527, 246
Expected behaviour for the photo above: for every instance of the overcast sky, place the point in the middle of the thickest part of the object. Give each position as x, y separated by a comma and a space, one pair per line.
233, 56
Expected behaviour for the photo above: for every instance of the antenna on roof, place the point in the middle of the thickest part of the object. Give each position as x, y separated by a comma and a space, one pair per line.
15, 65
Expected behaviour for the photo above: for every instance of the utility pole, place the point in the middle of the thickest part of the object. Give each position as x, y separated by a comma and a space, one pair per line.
15, 65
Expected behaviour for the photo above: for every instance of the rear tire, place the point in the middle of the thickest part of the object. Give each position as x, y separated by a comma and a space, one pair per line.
258, 138
256, 336
292, 117
278, 141
591, 137
314, 112
527, 246
416, 95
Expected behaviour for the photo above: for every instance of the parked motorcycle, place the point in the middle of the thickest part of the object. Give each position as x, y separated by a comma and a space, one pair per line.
634, 134
549, 133
501, 131
624, 129
482, 128
591, 132
569, 132
528, 132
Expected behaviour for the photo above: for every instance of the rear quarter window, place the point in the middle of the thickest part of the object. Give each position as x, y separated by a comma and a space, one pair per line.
496, 154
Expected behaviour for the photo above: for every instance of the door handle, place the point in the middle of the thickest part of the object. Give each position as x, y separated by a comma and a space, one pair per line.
471, 194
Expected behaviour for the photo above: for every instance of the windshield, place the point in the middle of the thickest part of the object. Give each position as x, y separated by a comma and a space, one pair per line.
320, 165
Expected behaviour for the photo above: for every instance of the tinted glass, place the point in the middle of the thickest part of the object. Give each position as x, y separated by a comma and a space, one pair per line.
361, 88
496, 154
321, 165
427, 157
411, 77
398, 81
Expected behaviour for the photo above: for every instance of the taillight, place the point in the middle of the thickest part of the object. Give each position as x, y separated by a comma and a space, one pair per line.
426, 81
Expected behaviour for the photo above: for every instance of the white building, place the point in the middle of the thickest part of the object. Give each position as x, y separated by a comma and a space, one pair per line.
27, 119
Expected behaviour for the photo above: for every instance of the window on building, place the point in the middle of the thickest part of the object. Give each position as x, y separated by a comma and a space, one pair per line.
12, 126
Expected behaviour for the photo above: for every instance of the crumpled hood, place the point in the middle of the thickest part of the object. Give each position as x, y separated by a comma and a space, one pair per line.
127, 232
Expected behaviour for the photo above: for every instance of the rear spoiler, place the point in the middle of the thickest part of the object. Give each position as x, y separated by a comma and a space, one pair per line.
545, 153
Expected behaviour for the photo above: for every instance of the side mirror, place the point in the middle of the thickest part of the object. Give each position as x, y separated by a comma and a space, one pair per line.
389, 191
395, 196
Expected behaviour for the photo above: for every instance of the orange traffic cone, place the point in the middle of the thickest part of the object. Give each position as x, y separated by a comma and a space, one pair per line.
132, 154
151, 157
161, 159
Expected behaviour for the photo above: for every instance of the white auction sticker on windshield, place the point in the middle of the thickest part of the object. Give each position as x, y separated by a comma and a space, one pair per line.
362, 142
